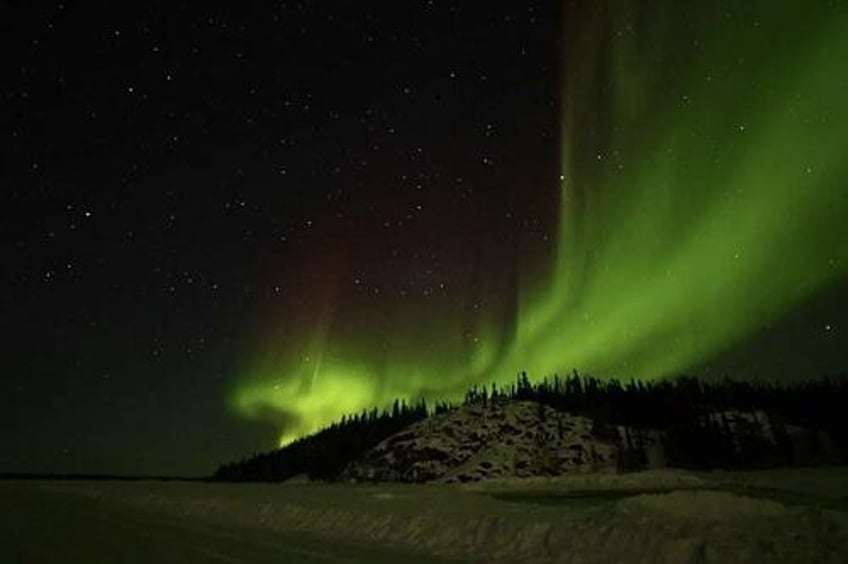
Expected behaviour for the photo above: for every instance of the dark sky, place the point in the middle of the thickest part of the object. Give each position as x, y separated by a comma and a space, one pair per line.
181, 180
166, 164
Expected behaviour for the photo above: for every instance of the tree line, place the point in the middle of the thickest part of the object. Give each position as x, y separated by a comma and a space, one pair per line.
703, 424
323, 455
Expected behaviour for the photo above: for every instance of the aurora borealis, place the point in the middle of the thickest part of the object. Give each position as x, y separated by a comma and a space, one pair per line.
226, 225
702, 196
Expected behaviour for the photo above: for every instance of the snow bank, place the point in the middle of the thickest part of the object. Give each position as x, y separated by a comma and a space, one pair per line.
678, 526
650, 480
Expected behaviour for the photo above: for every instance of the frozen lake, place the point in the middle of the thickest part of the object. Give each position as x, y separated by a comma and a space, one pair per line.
41, 523
758, 517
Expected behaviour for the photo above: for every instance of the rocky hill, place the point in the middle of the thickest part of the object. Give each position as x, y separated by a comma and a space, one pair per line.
519, 438
572, 425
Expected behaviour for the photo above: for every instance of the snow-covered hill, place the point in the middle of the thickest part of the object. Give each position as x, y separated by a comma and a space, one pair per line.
520, 438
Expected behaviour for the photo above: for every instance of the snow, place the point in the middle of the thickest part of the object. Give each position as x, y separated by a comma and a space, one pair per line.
474, 443
651, 480
679, 520
524, 439
702, 505
828, 482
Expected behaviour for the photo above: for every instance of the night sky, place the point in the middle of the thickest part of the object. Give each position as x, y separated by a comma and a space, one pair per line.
224, 225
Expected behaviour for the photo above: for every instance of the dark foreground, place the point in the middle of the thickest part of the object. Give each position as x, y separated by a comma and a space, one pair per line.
786, 516
42, 524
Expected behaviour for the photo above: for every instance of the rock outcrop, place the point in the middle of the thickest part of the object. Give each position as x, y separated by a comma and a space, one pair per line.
525, 438
473, 443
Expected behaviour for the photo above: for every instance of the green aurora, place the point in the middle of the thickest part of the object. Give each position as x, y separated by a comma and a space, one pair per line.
703, 195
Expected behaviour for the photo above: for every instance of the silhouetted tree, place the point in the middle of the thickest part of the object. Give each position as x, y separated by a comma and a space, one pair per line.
692, 415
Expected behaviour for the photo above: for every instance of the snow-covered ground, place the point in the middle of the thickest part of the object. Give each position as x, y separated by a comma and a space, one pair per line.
665, 479
584, 518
